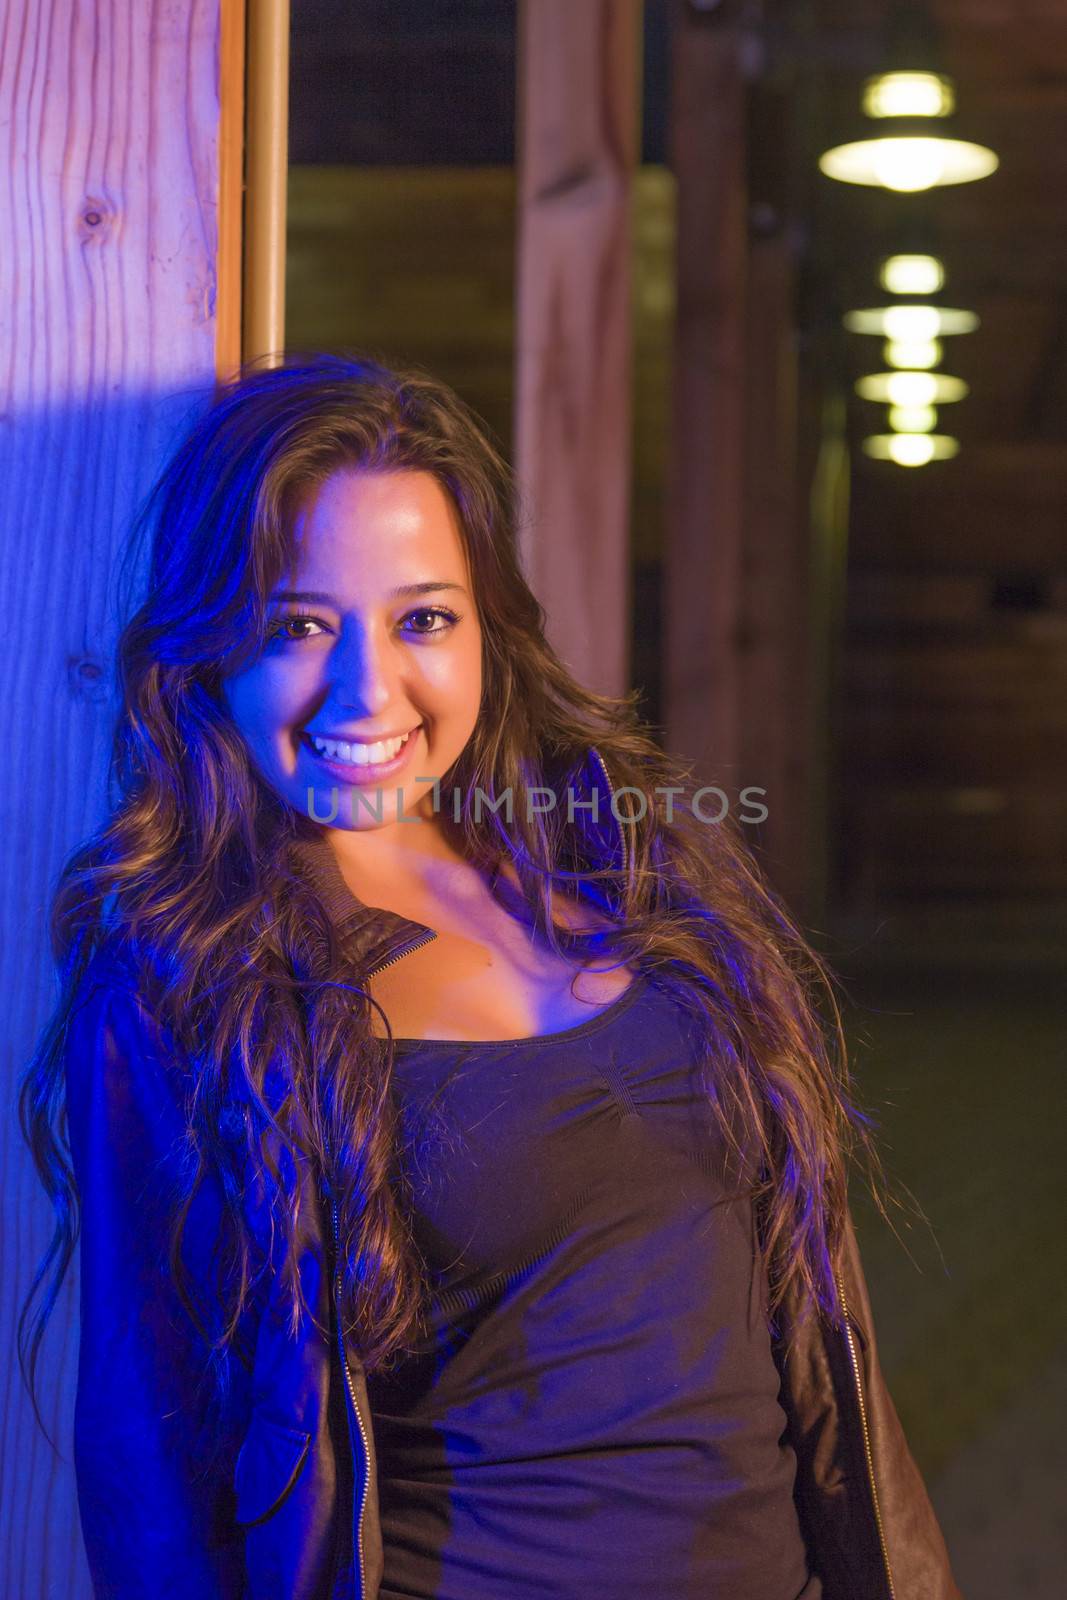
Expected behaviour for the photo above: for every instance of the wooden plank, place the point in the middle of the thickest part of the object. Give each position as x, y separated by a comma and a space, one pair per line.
231, 185
266, 173
703, 674
577, 150
1001, 671
983, 840
109, 302
977, 744
975, 532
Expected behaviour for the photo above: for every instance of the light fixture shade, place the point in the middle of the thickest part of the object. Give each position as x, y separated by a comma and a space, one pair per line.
911, 388
913, 419
912, 274
922, 353
911, 449
911, 323
909, 94
908, 163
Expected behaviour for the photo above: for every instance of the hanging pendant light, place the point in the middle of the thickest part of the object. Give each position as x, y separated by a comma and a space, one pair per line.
915, 146
911, 449
912, 274
908, 162
913, 419
909, 94
912, 353
911, 323
911, 388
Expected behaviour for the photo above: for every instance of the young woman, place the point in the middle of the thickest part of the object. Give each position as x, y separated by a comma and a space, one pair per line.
458, 1142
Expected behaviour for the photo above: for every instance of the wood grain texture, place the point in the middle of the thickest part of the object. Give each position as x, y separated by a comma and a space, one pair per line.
108, 303
577, 151
228, 317
267, 145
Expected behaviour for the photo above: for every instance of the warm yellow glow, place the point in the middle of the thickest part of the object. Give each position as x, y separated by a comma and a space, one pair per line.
911, 388
911, 324
908, 164
911, 449
913, 419
909, 94
912, 353
912, 275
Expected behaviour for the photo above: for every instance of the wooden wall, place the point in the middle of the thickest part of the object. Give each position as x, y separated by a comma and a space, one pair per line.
954, 755
112, 296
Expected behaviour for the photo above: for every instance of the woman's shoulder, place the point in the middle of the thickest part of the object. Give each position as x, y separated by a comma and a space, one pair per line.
114, 964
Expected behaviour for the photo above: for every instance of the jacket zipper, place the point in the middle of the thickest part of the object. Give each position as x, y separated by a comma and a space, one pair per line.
854, 1359
423, 939
611, 797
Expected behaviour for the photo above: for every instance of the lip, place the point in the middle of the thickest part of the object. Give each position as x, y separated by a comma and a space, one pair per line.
377, 772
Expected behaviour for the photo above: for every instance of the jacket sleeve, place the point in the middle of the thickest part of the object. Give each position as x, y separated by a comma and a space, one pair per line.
182, 1495
868, 1522
914, 1543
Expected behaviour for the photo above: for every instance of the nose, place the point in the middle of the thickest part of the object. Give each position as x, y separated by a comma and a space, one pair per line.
365, 672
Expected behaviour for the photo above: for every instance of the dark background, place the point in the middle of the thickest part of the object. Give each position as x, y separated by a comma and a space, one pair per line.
945, 827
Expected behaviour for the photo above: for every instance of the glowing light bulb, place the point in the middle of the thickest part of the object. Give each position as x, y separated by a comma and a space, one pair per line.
913, 419
908, 165
912, 322
911, 388
912, 275
909, 94
911, 353
911, 449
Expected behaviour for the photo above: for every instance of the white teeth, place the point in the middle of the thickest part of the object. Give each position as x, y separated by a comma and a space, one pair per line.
359, 755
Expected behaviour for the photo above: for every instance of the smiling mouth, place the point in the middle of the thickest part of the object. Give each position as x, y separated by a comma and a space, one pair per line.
360, 757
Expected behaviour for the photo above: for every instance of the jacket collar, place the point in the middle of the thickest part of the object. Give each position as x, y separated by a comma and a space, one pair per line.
372, 933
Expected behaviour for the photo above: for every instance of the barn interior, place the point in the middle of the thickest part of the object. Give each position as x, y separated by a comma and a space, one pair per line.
897, 650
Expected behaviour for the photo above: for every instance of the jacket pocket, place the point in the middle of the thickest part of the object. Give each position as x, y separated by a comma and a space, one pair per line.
267, 1468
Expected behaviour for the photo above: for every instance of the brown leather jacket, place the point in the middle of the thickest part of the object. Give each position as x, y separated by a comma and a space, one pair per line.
275, 1498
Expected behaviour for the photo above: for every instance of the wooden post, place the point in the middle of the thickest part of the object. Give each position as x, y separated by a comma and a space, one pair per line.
705, 494
117, 304
266, 164
577, 149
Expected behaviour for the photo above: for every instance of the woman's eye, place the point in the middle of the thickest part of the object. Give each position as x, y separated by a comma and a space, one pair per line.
448, 619
276, 630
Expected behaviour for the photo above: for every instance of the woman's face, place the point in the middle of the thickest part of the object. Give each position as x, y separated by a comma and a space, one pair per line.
373, 635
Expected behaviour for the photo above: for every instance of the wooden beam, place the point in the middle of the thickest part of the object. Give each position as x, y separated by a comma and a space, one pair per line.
266, 169
110, 123
232, 22
705, 492
577, 149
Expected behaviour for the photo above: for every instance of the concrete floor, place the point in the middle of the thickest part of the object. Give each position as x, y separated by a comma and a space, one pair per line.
961, 1052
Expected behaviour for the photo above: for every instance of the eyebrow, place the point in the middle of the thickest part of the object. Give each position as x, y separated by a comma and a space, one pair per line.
406, 591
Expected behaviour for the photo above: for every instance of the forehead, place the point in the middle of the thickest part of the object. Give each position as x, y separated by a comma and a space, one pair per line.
374, 526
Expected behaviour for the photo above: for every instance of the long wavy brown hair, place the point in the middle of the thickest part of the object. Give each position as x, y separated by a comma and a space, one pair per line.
242, 966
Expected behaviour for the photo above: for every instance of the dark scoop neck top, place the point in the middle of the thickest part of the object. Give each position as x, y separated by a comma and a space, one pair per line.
595, 1407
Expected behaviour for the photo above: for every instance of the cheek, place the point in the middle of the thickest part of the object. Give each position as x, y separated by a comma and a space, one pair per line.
268, 696
453, 678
